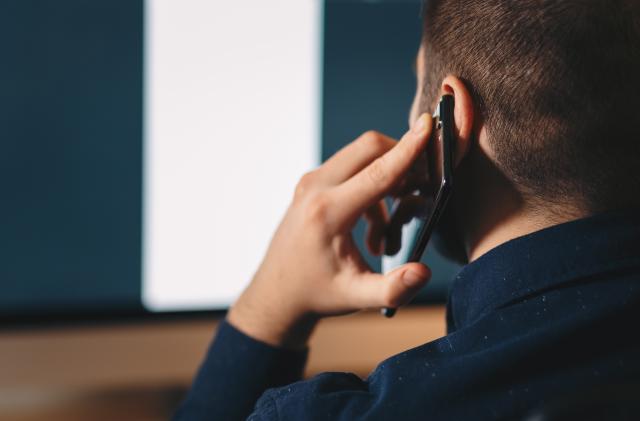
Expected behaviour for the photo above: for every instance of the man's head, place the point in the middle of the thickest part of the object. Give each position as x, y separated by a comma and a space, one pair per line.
552, 92
556, 86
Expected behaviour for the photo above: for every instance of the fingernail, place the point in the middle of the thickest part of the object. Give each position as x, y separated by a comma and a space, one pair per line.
412, 279
420, 125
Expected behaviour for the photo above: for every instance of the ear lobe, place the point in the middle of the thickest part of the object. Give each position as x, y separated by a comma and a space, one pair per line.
463, 114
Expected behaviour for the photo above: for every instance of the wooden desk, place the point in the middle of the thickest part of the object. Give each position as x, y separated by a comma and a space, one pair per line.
138, 371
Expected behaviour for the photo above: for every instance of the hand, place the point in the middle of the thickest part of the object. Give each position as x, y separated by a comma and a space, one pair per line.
313, 268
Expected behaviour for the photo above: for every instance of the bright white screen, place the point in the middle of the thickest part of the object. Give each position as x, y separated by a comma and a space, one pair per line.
232, 122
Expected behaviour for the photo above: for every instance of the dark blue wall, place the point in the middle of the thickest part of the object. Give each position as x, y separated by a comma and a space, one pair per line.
70, 155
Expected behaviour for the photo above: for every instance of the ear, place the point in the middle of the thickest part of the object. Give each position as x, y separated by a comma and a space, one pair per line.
463, 114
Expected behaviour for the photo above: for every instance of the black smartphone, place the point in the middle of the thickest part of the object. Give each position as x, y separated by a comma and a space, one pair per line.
414, 215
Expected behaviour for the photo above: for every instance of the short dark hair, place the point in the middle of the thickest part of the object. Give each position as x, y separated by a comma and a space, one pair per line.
558, 86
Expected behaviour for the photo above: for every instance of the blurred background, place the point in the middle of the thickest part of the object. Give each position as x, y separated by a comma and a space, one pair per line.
148, 150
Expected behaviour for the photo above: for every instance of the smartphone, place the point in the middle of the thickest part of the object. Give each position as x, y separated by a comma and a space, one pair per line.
414, 216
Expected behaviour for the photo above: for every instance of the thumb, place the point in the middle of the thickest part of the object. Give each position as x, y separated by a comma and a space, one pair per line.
398, 287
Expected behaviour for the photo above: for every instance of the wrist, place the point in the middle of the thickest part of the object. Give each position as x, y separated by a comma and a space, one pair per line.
271, 323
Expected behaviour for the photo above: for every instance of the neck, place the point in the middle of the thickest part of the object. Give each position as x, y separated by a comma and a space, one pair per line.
517, 222
491, 210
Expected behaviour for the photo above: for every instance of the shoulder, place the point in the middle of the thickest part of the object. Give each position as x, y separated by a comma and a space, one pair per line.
331, 395
389, 392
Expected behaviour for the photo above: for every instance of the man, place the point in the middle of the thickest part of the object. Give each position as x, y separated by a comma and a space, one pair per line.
547, 120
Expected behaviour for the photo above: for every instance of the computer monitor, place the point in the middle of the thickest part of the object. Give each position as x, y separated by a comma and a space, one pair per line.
232, 117
150, 148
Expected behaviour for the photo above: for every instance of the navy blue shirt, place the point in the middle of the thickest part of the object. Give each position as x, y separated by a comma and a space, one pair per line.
534, 320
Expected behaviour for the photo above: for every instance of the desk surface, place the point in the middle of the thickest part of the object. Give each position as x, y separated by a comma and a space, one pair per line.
110, 369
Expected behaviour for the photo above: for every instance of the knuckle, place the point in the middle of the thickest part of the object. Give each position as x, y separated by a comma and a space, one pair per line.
377, 172
412, 149
304, 185
317, 209
369, 135
374, 140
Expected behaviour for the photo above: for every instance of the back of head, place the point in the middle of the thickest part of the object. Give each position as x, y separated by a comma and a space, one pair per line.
557, 84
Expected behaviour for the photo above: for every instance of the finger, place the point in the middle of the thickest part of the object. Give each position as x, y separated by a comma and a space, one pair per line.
352, 158
398, 287
417, 178
409, 185
372, 183
377, 217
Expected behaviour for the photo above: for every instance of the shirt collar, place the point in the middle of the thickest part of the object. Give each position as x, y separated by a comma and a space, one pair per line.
543, 260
